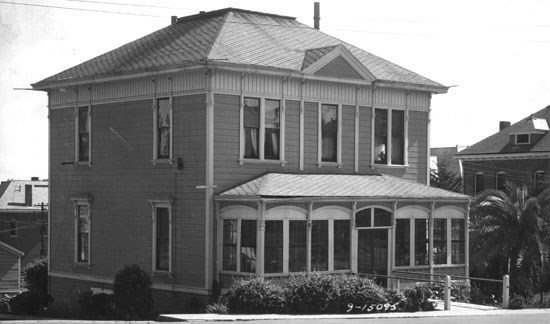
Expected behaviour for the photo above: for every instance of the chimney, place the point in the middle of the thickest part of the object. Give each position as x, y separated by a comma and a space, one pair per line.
504, 124
316, 15
35, 179
174, 20
28, 195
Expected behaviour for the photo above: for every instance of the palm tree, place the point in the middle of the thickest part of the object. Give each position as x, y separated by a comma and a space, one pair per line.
515, 226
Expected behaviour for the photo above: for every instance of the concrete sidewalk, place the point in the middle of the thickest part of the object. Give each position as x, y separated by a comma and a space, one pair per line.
457, 309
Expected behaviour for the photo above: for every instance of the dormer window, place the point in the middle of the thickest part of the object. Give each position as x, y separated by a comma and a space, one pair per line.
523, 139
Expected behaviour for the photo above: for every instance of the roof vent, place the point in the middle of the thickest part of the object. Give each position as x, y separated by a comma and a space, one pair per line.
174, 19
202, 12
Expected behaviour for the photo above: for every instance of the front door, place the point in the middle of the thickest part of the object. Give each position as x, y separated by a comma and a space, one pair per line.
372, 252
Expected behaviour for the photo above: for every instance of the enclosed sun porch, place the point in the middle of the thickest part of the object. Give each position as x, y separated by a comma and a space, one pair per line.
282, 224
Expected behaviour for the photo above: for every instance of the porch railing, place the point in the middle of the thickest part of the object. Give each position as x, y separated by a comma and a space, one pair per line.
505, 282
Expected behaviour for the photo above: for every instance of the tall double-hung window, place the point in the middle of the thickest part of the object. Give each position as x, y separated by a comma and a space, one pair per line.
261, 129
82, 231
239, 245
329, 136
389, 137
162, 236
162, 148
83, 135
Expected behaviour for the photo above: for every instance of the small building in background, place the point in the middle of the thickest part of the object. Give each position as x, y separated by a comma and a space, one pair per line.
23, 227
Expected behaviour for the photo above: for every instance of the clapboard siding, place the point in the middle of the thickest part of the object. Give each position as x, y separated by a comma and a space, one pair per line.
9, 271
122, 180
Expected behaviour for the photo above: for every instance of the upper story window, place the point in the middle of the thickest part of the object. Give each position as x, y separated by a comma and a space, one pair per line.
163, 130
479, 185
261, 129
329, 133
500, 180
83, 131
329, 137
389, 137
523, 139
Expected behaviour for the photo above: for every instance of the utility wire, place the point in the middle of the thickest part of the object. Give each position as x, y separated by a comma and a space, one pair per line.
129, 4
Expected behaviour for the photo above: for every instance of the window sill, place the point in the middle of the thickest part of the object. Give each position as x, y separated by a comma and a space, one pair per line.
458, 265
258, 161
80, 264
389, 166
329, 164
162, 161
162, 273
77, 163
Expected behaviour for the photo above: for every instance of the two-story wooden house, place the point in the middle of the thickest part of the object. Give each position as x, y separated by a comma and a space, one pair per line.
518, 153
242, 143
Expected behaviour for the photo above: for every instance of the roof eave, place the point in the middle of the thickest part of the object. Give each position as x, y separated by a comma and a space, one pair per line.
503, 156
341, 199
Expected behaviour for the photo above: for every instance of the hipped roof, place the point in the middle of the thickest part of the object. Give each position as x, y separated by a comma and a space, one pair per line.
232, 37
378, 186
499, 143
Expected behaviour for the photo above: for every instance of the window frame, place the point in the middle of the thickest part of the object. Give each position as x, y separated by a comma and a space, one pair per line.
389, 138
476, 184
262, 131
450, 213
320, 162
155, 205
77, 152
516, 137
156, 156
14, 228
412, 213
500, 176
82, 202
538, 180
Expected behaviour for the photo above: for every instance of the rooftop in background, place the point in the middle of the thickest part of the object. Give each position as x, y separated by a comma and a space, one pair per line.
536, 125
237, 38
378, 186
14, 194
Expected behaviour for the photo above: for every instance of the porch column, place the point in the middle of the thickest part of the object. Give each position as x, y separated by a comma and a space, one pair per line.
467, 239
308, 236
260, 239
353, 250
431, 240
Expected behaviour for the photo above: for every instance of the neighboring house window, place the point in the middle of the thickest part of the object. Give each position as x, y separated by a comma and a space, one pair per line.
83, 231
14, 229
262, 129
162, 236
458, 241
523, 139
402, 242
329, 133
273, 251
500, 180
440, 241
478, 182
342, 244
539, 183
389, 137
163, 129
83, 147
319, 245
297, 245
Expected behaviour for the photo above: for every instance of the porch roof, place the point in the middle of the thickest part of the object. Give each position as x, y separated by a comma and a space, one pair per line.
379, 186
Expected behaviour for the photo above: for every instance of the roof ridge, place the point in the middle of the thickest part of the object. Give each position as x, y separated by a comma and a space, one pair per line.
217, 38
220, 12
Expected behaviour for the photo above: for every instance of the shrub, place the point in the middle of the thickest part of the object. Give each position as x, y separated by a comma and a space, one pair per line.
132, 293
459, 291
417, 299
355, 290
96, 306
255, 296
36, 276
308, 294
5, 303
520, 302
217, 308
27, 303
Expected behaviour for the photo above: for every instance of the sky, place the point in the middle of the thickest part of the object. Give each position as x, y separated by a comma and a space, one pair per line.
494, 54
